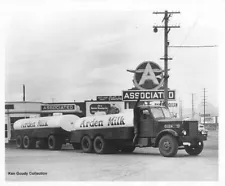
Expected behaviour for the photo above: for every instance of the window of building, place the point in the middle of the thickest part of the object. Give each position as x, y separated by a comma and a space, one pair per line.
6, 131
9, 106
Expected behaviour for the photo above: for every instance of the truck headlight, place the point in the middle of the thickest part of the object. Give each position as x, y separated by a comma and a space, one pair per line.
203, 132
184, 132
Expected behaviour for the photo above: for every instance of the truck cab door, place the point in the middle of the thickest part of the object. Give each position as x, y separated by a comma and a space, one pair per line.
146, 127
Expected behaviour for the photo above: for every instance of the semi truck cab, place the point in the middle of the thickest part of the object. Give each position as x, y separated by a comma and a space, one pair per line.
157, 128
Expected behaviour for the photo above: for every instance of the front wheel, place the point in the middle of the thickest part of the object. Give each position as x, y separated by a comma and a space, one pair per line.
195, 150
168, 146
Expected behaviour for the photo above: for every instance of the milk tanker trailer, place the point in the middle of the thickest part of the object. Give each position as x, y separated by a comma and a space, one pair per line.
114, 132
51, 132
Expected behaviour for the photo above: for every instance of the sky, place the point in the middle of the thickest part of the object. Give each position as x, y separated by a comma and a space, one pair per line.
77, 50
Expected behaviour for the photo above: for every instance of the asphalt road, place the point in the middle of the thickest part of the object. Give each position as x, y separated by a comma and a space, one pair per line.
144, 164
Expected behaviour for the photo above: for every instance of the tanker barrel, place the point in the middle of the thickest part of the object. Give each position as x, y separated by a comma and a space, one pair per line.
124, 119
66, 122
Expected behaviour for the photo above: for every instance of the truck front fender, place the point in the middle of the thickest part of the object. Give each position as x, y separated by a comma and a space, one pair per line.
162, 133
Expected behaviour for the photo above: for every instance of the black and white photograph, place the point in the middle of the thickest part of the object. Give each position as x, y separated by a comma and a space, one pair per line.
112, 91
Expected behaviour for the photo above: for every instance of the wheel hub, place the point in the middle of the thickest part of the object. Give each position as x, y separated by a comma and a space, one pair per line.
166, 145
25, 142
99, 145
86, 144
51, 142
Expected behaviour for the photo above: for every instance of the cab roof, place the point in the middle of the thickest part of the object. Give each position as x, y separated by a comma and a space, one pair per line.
151, 106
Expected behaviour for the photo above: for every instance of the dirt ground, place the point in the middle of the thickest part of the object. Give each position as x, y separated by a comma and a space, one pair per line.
144, 164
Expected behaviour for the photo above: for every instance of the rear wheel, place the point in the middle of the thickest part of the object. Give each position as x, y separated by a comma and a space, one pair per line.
195, 150
28, 143
86, 144
100, 145
19, 142
168, 146
54, 143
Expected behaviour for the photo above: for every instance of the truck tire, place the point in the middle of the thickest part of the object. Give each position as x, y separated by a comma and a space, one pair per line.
168, 146
128, 149
76, 146
28, 143
100, 145
54, 143
195, 150
19, 142
43, 144
86, 144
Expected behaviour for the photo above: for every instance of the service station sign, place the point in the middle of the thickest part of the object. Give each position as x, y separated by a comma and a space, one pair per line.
61, 107
103, 107
148, 80
148, 76
109, 98
58, 107
147, 95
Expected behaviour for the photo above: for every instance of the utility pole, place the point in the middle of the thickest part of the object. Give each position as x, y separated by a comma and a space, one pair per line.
193, 111
181, 111
167, 28
24, 93
204, 104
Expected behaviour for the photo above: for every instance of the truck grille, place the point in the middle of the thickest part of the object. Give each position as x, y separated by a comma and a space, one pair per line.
191, 127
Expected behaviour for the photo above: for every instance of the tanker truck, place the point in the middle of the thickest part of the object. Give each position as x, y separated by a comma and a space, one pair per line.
51, 132
113, 133
157, 128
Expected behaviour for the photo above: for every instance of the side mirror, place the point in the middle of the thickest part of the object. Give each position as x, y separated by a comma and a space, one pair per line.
145, 114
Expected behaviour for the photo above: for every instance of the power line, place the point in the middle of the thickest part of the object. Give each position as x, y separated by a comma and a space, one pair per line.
190, 30
187, 35
193, 46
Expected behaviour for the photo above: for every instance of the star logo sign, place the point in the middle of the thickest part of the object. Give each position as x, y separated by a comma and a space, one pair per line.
148, 76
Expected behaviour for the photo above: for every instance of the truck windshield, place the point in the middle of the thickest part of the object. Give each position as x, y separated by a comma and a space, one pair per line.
160, 113
157, 112
166, 113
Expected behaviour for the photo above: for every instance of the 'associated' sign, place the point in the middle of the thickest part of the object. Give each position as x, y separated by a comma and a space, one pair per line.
58, 107
147, 95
